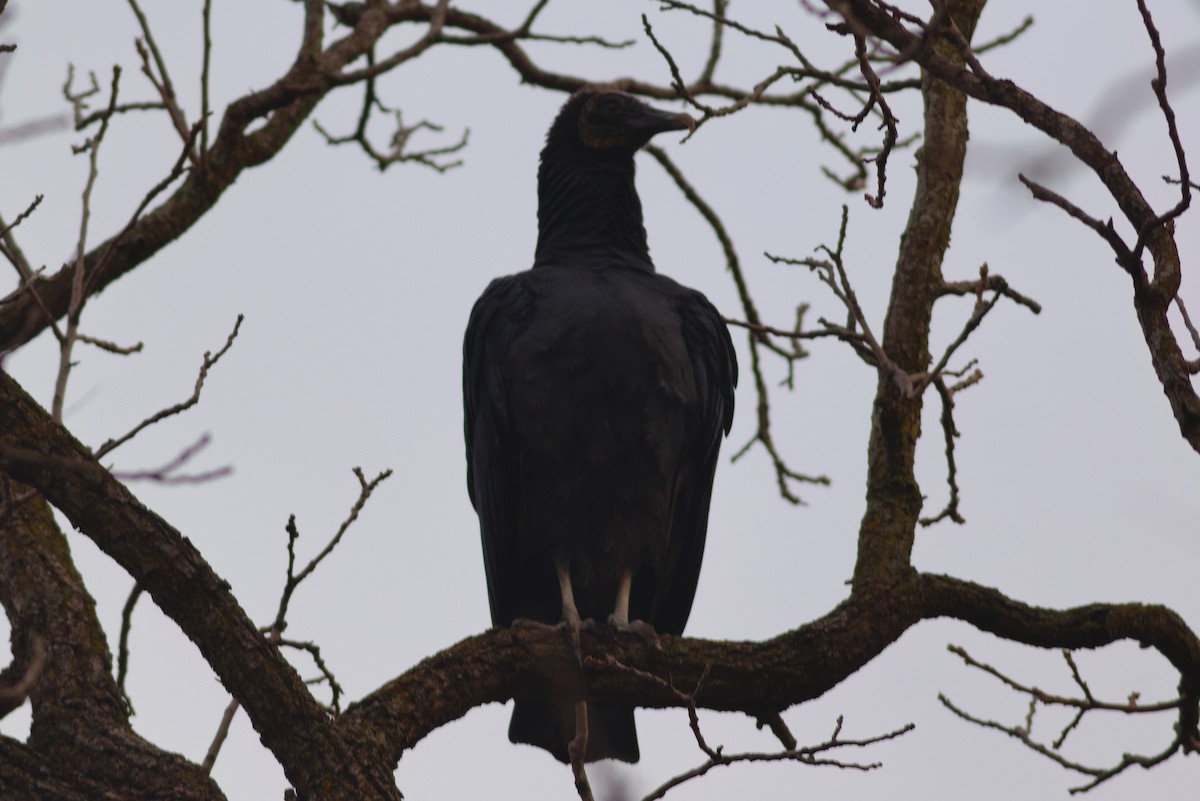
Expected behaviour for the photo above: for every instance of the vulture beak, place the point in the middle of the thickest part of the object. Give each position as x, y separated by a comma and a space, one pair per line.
655, 121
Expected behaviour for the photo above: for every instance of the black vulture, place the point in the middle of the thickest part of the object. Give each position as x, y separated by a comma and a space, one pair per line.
596, 394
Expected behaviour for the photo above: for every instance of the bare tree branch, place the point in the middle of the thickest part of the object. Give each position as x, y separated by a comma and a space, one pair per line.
78, 296
292, 581
783, 473
162, 81
204, 71
291, 723
1152, 295
123, 643
166, 474
1159, 84
209, 361
950, 432
1083, 705
397, 152
353, 754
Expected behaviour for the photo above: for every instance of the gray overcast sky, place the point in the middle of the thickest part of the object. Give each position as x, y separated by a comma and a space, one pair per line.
356, 288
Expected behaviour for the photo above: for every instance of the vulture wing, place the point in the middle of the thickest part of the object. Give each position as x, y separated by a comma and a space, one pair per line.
714, 371
492, 460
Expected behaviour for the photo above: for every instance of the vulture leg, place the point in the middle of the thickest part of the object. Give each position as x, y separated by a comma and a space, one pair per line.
619, 620
577, 748
570, 614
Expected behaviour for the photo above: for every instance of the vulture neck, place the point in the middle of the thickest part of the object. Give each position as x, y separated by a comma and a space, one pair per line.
588, 210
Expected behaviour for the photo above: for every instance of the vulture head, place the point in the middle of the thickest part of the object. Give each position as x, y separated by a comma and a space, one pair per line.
613, 122
587, 203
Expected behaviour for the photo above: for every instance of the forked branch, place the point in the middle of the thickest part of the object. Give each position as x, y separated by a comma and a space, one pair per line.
1087, 703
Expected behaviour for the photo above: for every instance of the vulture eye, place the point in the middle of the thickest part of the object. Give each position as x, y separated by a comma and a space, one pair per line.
609, 108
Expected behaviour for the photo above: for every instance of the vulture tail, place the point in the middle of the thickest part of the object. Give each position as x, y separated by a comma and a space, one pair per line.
548, 725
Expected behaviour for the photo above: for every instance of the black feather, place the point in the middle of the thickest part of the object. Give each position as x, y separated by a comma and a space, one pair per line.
596, 394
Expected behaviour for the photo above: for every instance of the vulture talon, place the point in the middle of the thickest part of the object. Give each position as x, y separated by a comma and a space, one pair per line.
639, 628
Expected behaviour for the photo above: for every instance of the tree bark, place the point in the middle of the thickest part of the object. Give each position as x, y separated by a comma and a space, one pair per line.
81, 741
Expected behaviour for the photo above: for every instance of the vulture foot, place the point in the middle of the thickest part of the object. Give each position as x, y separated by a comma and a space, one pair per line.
643, 630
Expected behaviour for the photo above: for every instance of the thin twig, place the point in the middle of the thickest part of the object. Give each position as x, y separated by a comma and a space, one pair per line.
1193, 365
396, 152
780, 332
1088, 703
857, 330
294, 579
207, 364
1004, 39
162, 82
123, 643
204, 84
167, 475
783, 473
1098, 775
689, 93
175, 172
111, 347
20, 217
1159, 84
716, 757
805, 755
973, 322
274, 632
714, 45
1105, 230
1187, 321
103, 114
717, 15
214, 748
78, 296
16, 257
950, 432
327, 676
993, 283
78, 99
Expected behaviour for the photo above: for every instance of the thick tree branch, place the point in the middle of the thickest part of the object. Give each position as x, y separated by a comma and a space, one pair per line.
291, 723
504, 663
741, 676
80, 724
1090, 626
1152, 296
26, 774
352, 756
893, 496
285, 105
288, 102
